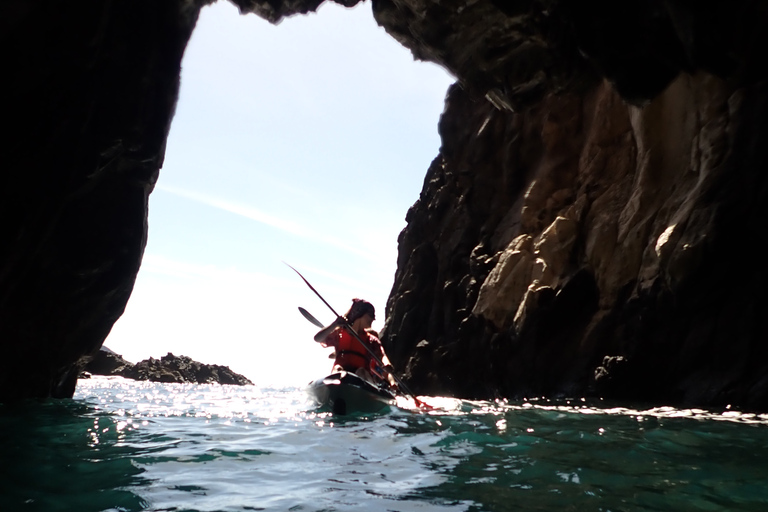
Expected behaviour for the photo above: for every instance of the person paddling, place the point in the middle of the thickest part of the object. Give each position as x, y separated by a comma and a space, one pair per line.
350, 355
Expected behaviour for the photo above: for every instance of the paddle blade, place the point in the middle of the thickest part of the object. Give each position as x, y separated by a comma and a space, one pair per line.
309, 317
423, 405
413, 404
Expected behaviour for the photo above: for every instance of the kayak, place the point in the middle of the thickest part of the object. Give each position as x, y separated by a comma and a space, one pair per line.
344, 392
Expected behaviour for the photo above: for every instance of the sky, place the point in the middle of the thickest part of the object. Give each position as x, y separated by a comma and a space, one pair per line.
303, 143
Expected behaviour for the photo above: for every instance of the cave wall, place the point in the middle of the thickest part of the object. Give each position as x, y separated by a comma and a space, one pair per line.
584, 228
90, 89
582, 237
592, 223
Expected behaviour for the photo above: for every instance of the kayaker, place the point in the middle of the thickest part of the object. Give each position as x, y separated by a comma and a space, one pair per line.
350, 355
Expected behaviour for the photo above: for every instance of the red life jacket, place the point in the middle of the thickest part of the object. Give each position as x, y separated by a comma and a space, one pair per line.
350, 354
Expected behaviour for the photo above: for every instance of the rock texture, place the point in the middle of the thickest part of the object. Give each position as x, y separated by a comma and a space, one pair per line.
90, 90
169, 369
587, 240
592, 224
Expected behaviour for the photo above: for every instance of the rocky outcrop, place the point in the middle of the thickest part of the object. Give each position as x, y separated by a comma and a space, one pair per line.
167, 369
106, 362
182, 369
584, 245
592, 223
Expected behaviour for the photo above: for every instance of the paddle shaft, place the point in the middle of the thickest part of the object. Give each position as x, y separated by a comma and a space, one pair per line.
400, 383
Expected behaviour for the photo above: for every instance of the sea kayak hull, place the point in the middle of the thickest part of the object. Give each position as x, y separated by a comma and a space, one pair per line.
345, 393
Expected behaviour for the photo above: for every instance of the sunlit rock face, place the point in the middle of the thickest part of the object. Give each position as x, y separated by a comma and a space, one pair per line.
599, 231
89, 91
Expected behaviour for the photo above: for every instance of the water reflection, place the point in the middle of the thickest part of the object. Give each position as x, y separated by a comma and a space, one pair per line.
135, 446
559, 456
66, 455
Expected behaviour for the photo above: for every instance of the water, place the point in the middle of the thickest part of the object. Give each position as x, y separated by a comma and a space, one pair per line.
129, 446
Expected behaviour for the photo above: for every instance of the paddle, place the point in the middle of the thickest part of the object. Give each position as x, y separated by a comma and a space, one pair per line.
309, 317
349, 328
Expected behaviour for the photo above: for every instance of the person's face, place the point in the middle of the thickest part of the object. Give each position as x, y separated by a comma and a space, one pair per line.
367, 320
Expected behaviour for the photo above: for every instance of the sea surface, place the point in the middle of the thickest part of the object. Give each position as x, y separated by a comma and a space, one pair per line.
121, 445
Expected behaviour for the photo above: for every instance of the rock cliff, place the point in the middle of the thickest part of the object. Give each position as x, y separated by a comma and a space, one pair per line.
89, 92
587, 246
600, 182
578, 234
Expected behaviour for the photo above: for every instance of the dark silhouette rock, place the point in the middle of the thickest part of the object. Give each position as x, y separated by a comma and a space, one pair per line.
107, 362
169, 368
91, 91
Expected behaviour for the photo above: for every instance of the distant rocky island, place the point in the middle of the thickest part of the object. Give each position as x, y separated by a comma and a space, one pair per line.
169, 369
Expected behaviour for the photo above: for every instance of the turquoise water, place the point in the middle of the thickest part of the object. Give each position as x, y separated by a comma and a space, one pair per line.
121, 445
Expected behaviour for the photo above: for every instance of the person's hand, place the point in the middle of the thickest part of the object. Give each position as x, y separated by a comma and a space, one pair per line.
389, 368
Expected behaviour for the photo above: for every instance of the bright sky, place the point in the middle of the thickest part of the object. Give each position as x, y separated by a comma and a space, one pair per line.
305, 142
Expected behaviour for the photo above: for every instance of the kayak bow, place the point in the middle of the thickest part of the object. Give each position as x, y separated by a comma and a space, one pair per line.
344, 393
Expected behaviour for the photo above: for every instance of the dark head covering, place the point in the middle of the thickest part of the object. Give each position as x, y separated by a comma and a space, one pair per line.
358, 309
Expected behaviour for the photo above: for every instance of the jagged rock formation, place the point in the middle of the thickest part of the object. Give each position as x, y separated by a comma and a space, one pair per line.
585, 228
106, 362
598, 189
587, 242
168, 369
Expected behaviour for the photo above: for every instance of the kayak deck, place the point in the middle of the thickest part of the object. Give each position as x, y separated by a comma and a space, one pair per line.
344, 392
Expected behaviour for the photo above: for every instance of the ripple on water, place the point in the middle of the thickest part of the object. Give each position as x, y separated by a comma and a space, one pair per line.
124, 445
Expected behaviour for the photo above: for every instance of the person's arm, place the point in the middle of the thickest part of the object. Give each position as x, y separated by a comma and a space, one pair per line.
326, 331
388, 367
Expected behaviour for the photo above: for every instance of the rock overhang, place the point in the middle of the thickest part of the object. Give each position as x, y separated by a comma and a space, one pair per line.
94, 90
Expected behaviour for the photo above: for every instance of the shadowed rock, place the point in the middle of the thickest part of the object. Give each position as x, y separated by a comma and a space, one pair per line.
169, 369
91, 91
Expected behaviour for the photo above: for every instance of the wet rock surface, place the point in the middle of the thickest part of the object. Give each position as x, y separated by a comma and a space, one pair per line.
168, 369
